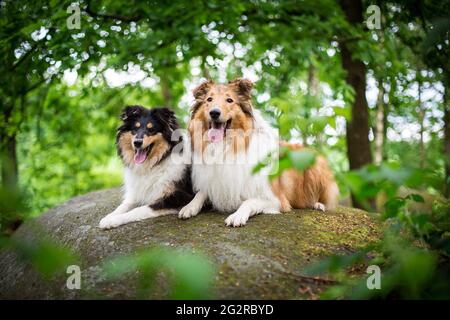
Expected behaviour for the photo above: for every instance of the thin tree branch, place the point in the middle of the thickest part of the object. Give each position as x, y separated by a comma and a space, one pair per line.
34, 86
23, 58
29, 52
111, 16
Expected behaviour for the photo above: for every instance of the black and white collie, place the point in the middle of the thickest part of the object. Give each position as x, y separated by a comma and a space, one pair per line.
155, 183
224, 126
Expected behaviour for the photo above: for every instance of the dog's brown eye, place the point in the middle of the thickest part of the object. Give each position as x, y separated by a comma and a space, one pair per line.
229, 100
209, 99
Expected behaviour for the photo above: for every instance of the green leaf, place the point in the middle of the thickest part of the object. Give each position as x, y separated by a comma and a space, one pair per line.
416, 198
392, 207
46, 256
302, 159
189, 274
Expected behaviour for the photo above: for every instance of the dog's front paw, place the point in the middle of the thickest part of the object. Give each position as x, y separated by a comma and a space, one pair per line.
188, 212
237, 219
109, 222
319, 206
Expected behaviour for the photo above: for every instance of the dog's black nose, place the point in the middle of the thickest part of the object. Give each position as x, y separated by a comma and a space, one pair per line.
215, 113
138, 143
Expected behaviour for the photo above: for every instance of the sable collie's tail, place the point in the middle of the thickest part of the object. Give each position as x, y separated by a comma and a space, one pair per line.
313, 188
330, 195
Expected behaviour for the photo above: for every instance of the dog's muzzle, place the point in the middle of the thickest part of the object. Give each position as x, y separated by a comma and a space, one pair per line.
215, 113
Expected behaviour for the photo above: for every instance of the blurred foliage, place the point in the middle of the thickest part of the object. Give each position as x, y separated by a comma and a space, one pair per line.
285, 158
44, 255
414, 252
62, 89
12, 210
189, 275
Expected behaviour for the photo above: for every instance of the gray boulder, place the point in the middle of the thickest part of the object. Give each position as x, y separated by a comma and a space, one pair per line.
263, 260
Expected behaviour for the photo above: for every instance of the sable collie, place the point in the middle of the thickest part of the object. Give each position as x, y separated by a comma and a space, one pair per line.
219, 117
155, 184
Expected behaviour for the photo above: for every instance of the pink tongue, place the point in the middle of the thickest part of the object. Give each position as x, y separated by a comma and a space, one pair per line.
140, 156
215, 135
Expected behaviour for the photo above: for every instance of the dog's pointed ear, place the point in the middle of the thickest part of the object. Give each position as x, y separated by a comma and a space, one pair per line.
201, 90
131, 111
166, 117
243, 86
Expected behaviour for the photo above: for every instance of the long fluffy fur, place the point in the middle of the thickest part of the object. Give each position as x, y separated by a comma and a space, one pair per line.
158, 186
233, 187
314, 188
226, 185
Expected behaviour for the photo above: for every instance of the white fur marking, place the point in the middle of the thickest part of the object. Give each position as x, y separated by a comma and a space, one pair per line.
144, 185
319, 206
232, 186
122, 208
193, 207
137, 214
250, 208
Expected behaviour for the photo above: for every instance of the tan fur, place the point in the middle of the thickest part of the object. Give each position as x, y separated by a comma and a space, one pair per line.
294, 189
160, 147
237, 111
300, 190
126, 147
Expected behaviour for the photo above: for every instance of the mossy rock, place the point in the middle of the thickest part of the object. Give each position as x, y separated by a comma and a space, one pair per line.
263, 260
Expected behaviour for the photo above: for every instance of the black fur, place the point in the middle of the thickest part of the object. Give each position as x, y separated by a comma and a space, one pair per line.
182, 195
163, 121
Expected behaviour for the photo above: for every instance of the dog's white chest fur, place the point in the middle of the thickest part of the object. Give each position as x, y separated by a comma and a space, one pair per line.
229, 183
145, 185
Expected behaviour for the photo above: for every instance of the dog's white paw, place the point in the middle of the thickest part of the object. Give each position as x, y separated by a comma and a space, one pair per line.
188, 212
319, 206
237, 219
110, 222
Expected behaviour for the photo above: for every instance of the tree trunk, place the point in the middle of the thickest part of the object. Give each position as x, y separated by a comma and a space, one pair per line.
421, 114
447, 140
205, 71
379, 124
10, 176
386, 124
312, 91
358, 144
8, 154
166, 92
313, 83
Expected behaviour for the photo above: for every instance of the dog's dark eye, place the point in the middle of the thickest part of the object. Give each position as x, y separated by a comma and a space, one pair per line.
229, 100
209, 99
